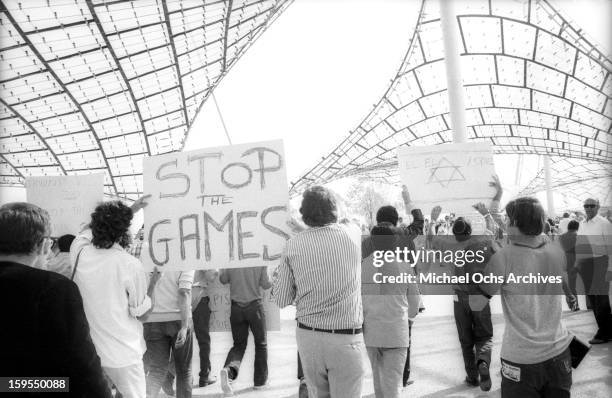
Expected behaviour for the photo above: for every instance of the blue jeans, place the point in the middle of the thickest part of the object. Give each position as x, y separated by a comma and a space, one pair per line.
160, 338
243, 317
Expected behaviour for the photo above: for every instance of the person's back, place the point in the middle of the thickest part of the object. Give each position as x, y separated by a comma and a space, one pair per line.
246, 284
105, 277
534, 331
48, 334
60, 264
535, 355
331, 254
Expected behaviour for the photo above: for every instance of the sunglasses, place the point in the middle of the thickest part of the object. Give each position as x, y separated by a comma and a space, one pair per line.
590, 206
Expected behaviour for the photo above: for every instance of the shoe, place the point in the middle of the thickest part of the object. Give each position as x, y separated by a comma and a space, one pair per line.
408, 382
226, 382
167, 386
599, 340
303, 391
471, 382
208, 381
485, 377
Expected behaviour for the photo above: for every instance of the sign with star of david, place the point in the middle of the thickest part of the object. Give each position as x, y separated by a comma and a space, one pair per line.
453, 176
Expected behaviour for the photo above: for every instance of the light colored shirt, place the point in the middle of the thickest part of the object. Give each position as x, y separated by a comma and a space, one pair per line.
563, 223
61, 264
388, 307
321, 272
534, 332
246, 284
113, 285
598, 234
166, 307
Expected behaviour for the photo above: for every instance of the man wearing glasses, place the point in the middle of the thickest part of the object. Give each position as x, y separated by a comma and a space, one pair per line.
594, 262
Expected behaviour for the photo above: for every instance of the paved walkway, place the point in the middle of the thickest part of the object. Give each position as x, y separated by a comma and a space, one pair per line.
436, 357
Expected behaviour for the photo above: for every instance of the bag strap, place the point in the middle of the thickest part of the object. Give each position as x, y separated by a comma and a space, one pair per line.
76, 264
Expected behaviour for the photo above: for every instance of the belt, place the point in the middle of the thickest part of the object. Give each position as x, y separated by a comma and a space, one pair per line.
333, 331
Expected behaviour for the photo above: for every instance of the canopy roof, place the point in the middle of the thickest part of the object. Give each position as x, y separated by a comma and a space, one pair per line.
533, 85
94, 86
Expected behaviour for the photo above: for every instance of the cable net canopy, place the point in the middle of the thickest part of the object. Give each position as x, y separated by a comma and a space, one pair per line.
94, 86
578, 178
533, 85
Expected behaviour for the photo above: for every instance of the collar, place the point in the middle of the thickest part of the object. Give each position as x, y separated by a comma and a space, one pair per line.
597, 218
533, 242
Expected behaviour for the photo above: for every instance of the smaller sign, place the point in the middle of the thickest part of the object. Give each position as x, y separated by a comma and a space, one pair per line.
220, 308
70, 200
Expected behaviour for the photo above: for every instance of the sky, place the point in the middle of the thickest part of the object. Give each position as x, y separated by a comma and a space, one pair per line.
320, 68
310, 87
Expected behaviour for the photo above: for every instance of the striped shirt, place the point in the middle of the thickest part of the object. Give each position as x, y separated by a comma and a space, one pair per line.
321, 272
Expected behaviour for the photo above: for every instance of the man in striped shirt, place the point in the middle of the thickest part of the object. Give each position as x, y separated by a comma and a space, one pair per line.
321, 273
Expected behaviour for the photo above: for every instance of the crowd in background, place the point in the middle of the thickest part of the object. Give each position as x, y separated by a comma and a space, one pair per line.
88, 310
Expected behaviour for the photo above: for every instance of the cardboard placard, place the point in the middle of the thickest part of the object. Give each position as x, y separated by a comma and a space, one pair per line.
220, 308
70, 200
223, 207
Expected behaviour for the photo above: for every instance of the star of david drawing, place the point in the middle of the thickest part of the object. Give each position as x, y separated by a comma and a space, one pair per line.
444, 173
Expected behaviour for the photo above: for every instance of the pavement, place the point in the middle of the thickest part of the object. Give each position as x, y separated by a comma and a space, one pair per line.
437, 365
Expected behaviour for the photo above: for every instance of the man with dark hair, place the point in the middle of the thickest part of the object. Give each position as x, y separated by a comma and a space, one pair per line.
48, 334
473, 320
387, 216
594, 262
60, 263
535, 355
568, 243
115, 293
320, 272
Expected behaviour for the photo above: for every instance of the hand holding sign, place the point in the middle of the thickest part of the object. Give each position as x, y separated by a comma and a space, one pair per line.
140, 203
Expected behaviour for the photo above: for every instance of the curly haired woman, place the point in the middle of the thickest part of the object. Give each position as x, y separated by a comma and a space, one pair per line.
114, 288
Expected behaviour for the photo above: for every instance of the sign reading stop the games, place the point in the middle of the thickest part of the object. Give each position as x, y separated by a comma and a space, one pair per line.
222, 207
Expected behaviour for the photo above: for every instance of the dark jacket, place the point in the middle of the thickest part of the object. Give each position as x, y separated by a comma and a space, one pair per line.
406, 234
44, 331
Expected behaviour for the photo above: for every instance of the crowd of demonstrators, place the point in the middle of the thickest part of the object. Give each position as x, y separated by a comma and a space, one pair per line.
48, 333
247, 312
102, 320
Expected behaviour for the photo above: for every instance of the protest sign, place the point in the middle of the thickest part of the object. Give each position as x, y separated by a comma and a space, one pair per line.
453, 176
222, 207
70, 200
220, 308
